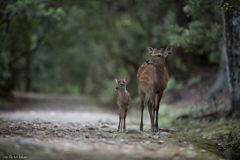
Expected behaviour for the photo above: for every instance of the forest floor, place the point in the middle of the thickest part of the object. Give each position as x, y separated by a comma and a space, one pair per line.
45, 126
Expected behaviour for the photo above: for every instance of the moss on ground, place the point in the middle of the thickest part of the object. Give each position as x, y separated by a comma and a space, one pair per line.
202, 143
215, 137
204, 127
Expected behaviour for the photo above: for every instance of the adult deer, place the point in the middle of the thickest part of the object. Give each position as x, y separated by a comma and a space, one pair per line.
152, 79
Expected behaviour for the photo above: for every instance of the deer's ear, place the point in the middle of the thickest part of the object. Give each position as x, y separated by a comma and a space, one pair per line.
126, 80
116, 81
150, 49
168, 51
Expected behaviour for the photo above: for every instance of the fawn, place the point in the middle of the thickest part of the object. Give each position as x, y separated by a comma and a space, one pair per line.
152, 78
123, 102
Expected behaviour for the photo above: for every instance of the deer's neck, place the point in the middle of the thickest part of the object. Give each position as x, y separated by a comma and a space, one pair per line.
122, 94
159, 73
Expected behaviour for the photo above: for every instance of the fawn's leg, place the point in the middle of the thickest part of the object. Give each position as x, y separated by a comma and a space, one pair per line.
119, 124
125, 115
119, 118
122, 119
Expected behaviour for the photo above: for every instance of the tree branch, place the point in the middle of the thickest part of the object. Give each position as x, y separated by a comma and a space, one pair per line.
39, 41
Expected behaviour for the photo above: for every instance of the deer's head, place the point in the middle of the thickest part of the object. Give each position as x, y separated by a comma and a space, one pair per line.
158, 56
121, 84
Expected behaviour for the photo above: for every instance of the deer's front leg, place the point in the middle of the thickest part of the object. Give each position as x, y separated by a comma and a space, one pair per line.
119, 111
152, 98
150, 110
159, 97
119, 123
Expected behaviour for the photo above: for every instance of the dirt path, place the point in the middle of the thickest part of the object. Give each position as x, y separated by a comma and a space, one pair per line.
58, 108
68, 127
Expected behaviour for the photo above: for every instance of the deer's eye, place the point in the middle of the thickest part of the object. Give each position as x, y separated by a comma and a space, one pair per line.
159, 56
121, 84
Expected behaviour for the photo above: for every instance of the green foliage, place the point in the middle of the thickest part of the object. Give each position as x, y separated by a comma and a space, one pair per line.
204, 33
194, 80
230, 5
80, 47
173, 85
24, 24
236, 145
4, 69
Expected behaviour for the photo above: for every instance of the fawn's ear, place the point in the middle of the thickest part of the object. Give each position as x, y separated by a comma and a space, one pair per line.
168, 51
116, 81
126, 80
150, 49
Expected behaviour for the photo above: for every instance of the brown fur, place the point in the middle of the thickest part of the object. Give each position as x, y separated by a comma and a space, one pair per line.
152, 79
123, 102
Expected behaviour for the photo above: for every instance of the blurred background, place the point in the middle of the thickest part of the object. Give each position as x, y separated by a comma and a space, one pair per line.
79, 47
59, 59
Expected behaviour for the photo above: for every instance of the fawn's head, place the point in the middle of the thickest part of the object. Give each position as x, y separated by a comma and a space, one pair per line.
158, 56
121, 84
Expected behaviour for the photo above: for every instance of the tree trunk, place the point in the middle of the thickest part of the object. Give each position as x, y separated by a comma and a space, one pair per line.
231, 24
221, 83
182, 20
28, 72
88, 81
